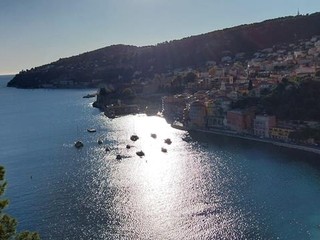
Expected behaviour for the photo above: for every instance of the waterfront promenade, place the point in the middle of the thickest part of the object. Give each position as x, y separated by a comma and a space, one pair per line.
307, 148
229, 133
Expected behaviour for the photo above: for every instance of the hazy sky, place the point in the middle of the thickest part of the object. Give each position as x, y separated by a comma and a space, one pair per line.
36, 32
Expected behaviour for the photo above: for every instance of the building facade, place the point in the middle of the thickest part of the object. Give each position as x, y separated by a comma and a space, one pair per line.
262, 125
197, 114
280, 133
240, 121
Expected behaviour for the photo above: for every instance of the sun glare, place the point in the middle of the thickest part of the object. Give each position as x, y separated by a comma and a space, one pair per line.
152, 132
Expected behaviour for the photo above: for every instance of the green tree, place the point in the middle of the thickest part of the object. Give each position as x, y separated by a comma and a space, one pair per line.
250, 85
190, 77
177, 85
8, 224
128, 93
177, 82
103, 91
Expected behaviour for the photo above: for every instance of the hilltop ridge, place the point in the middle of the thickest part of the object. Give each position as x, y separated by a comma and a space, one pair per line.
119, 64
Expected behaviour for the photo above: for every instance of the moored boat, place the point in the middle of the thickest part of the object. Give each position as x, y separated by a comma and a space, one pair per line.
134, 138
78, 144
91, 130
187, 138
90, 95
140, 153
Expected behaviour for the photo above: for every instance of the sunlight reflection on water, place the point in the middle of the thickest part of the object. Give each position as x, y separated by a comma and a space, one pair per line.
173, 195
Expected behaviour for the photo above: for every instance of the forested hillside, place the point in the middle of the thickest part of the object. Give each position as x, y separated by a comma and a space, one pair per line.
121, 63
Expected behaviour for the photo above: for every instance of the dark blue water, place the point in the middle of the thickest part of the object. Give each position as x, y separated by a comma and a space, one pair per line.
209, 188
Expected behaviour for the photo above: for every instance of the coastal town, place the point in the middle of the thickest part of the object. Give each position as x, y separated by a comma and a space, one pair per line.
160, 120
204, 99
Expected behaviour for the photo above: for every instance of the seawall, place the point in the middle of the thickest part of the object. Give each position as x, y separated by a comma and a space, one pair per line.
263, 140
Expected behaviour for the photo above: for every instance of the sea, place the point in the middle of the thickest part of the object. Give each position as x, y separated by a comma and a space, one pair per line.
204, 187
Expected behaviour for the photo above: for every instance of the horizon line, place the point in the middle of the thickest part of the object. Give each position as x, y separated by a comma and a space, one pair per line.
7, 74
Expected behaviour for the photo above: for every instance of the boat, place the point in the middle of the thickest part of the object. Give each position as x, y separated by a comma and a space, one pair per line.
153, 135
140, 153
187, 138
177, 125
168, 141
78, 144
90, 95
107, 149
91, 130
100, 142
134, 138
110, 115
164, 150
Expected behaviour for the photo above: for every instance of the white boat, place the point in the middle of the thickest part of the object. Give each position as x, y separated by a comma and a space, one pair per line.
187, 138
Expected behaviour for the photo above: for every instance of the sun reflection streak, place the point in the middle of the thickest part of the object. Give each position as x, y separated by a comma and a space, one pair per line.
174, 195
154, 179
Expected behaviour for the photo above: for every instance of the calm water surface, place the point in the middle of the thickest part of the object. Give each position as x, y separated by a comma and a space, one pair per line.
209, 188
